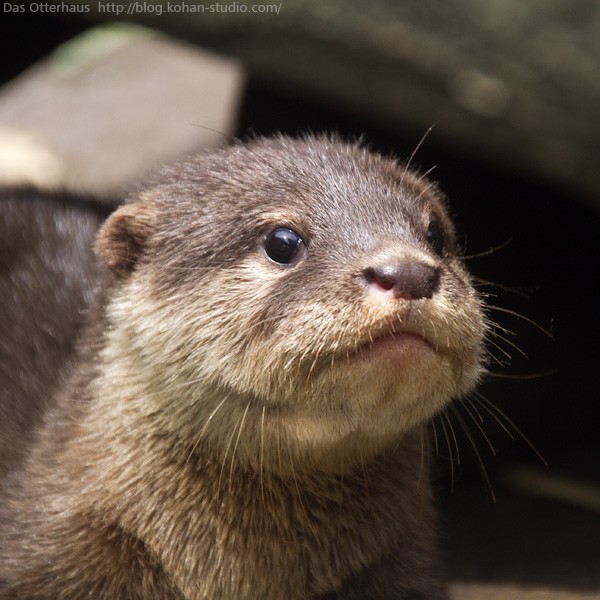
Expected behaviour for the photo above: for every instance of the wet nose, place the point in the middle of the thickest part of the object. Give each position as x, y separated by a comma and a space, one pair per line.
408, 280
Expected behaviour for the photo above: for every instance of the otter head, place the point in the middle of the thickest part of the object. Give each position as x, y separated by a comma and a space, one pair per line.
297, 294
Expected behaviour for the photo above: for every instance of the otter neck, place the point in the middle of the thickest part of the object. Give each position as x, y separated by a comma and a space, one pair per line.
259, 438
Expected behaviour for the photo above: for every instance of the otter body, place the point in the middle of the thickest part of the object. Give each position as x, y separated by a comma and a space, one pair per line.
47, 273
271, 327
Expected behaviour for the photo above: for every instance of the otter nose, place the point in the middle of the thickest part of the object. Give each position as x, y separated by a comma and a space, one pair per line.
408, 280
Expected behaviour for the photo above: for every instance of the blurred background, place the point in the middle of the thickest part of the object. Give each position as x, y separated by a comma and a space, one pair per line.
500, 99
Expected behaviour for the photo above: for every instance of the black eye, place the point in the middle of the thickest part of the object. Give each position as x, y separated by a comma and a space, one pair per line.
283, 245
435, 237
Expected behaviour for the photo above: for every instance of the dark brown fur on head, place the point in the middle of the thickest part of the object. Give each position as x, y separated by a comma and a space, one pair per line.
239, 428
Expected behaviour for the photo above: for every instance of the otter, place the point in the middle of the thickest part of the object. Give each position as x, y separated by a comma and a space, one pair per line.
269, 328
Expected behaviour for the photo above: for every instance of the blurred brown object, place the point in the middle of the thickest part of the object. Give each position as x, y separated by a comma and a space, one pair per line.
110, 105
516, 83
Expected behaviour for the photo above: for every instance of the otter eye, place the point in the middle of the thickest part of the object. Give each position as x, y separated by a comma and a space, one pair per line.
283, 245
435, 237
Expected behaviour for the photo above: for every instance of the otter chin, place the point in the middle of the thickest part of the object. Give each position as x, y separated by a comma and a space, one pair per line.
271, 326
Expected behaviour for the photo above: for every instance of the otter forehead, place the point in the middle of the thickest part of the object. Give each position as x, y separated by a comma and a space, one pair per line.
336, 195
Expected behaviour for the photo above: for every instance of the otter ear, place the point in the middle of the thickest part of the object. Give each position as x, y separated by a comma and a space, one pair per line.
124, 235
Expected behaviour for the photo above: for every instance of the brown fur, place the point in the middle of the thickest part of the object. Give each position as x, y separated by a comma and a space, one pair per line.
228, 431
46, 281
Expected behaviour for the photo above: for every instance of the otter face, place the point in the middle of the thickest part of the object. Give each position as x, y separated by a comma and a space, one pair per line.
308, 290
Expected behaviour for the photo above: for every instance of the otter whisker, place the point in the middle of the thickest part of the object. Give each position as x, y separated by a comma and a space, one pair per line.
491, 250
278, 440
493, 357
523, 292
341, 479
522, 376
478, 425
509, 342
262, 455
310, 349
235, 447
427, 173
494, 328
496, 418
523, 317
422, 459
230, 138
414, 152
425, 190
295, 479
492, 407
451, 457
365, 472
500, 349
435, 438
315, 360
472, 405
224, 460
499, 332
455, 440
199, 435
482, 468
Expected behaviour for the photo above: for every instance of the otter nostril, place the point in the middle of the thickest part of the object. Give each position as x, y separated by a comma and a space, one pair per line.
410, 280
379, 276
